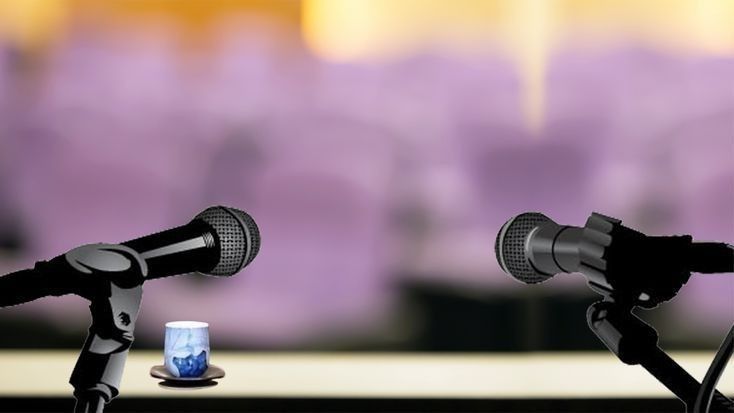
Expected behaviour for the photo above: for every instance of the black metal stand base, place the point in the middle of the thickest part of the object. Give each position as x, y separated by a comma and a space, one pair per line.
635, 342
89, 402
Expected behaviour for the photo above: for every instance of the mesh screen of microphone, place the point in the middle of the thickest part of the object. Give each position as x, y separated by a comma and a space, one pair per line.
510, 247
239, 238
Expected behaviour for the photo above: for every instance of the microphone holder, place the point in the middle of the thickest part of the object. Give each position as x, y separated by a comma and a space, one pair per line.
635, 342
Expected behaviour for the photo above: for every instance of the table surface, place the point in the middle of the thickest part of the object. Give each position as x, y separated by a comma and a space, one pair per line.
369, 375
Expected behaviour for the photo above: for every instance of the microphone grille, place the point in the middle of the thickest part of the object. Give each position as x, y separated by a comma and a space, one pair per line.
509, 247
239, 238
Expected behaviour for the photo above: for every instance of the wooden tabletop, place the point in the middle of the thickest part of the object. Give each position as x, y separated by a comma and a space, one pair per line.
369, 375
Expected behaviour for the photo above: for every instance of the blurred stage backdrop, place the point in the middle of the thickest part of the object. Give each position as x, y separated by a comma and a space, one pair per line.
379, 144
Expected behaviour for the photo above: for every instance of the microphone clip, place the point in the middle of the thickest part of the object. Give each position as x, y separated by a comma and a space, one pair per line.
628, 266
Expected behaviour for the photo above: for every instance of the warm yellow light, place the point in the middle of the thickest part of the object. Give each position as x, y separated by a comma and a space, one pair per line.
31, 23
697, 26
530, 34
714, 25
342, 29
374, 29
527, 30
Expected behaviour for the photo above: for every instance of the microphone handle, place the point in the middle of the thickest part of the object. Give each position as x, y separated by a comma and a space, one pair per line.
712, 257
31, 284
188, 248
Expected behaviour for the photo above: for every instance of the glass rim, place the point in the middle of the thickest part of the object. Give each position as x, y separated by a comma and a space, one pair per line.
187, 324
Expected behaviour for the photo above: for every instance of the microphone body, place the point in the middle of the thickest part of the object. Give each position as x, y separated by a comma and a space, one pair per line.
614, 258
188, 248
219, 241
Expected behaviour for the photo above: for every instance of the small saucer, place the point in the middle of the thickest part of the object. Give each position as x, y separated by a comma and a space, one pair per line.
171, 381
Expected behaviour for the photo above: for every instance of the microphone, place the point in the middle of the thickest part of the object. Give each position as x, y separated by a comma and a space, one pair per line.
629, 269
219, 241
615, 259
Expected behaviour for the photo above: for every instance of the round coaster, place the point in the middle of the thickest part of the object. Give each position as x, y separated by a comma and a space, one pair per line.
177, 385
173, 382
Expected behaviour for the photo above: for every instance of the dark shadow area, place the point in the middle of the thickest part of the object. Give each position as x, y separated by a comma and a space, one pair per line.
438, 318
128, 404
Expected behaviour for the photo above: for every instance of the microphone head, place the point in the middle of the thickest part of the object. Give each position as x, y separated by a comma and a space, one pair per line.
510, 247
239, 238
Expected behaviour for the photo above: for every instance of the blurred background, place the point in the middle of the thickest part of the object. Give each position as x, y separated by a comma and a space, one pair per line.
379, 144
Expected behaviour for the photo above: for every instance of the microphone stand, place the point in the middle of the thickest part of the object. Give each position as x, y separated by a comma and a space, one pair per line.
90, 403
98, 371
635, 342
115, 298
